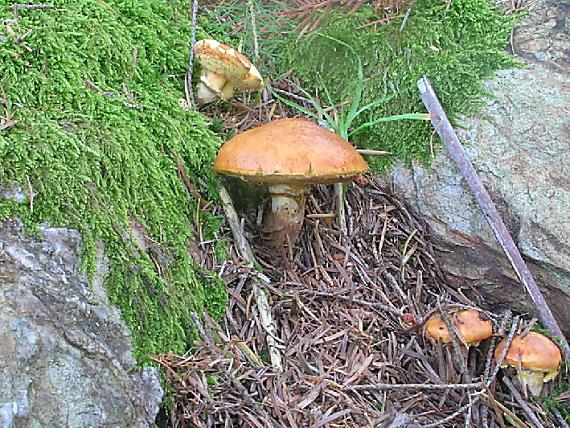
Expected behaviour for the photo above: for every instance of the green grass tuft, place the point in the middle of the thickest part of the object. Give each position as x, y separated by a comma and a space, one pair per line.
457, 48
96, 165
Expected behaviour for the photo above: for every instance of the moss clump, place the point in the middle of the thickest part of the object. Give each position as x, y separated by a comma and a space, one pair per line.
560, 387
99, 159
456, 47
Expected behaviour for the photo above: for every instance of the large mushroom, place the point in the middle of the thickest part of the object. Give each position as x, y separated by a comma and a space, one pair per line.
535, 357
472, 325
289, 155
223, 70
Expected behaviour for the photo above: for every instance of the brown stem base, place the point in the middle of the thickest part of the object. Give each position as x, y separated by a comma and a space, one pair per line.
283, 224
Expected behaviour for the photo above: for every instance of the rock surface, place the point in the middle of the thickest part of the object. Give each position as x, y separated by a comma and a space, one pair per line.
65, 358
520, 146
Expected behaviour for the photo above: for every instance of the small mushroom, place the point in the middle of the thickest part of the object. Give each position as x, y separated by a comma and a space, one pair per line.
223, 70
536, 358
473, 327
289, 155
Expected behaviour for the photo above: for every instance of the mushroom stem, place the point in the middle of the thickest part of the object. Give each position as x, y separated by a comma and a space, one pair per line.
227, 92
205, 95
213, 80
211, 88
287, 213
532, 379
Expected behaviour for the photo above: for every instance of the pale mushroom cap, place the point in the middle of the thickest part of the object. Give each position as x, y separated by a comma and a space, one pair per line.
290, 151
228, 62
533, 352
473, 326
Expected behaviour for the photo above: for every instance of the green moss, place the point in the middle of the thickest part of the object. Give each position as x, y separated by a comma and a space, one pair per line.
456, 48
560, 387
96, 165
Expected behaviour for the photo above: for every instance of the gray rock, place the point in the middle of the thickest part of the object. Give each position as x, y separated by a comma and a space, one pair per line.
65, 359
13, 192
520, 147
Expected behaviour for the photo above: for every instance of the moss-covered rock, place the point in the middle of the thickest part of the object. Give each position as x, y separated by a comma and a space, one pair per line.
457, 47
96, 87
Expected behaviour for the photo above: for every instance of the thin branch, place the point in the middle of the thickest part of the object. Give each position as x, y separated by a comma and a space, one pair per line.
489, 360
367, 152
457, 413
258, 288
560, 419
522, 403
254, 31
188, 81
386, 308
501, 358
416, 386
340, 209
405, 20
33, 6
455, 341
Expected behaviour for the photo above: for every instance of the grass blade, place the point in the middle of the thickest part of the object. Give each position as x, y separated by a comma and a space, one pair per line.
336, 114
357, 97
296, 106
407, 116
375, 103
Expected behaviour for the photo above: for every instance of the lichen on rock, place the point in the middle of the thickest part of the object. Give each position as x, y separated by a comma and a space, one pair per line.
66, 358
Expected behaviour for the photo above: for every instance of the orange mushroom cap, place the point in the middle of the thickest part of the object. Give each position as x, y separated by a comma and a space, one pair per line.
531, 352
471, 324
290, 151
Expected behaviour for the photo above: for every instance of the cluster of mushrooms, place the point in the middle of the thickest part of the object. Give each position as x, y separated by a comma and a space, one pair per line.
534, 356
289, 155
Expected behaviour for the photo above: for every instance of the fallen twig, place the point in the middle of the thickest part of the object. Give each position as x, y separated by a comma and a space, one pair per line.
366, 152
258, 288
188, 81
19, 6
456, 341
499, 361
517, 396
514, 418
407, 16
417, 386
560, 419
457, 413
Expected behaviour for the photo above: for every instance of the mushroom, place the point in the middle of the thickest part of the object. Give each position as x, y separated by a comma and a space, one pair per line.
536, 358
289, 155
472, 326
223, 70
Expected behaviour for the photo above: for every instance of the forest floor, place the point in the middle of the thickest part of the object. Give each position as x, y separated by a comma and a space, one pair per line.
350, 315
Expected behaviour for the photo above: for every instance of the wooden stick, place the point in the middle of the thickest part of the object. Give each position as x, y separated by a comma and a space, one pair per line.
254, 31
517, 396
188, 81
367, 152
340, 210
449, 137
258, 288
416, 386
